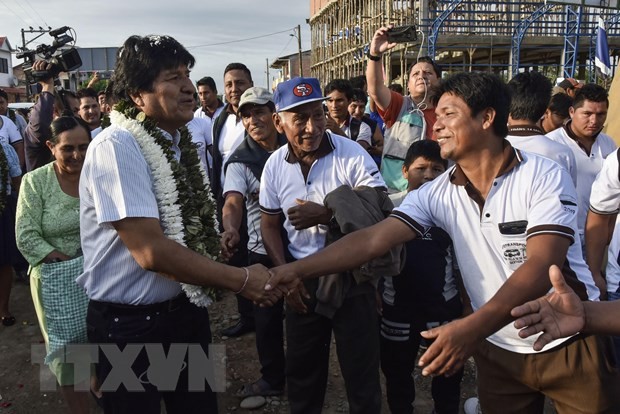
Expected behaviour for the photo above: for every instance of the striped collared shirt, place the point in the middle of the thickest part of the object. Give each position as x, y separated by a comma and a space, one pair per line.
116, 183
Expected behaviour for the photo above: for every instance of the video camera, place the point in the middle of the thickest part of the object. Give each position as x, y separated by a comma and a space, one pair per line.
64, 61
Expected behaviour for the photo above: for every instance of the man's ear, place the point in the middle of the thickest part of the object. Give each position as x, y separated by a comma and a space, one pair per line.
137, 99
488, 117
277, 121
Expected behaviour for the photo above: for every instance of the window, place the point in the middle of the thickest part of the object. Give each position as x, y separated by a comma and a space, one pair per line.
4, 65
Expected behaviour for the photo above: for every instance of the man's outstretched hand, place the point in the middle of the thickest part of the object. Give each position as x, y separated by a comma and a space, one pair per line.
557, 315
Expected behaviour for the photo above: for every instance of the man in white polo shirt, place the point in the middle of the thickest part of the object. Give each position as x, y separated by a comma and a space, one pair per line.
583, 136
511, 215
561, 313
603, 229
530, 93
295, 181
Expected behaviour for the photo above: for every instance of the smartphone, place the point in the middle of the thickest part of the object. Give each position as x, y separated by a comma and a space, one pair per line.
403, 34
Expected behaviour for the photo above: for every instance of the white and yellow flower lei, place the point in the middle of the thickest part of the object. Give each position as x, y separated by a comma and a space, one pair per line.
186, 208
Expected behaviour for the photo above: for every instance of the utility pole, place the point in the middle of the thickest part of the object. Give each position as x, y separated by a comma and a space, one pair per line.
267, 61
301, 66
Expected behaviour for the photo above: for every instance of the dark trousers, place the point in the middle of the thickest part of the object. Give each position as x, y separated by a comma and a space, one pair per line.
269, 334
400, 341
357, 343
173, 322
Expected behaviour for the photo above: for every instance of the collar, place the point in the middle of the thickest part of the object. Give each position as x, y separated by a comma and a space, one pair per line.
347, 122
325, 147
511, 158
525, 130
176, 138
569, 131
210, 114
229, 110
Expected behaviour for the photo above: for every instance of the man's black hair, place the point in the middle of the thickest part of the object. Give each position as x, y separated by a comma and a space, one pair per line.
238, 66
207, 81
3, 94
590, 92
427, 59
530, 93
359, 96
427, 149
359, 82
141, 60
560, 104
396, 87
87, 93
62, 105
340, 85
479, 90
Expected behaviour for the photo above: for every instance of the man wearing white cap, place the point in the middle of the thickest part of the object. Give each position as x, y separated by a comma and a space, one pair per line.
295, 181
241, 185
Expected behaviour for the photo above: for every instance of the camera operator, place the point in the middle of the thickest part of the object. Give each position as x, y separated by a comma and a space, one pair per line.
50, 105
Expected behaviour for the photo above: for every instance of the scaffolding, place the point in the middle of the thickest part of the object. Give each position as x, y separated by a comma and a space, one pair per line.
502, 37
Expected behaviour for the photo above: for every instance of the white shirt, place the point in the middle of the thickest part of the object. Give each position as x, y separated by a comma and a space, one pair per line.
240, 179
116, 183
365, 133
232, 135
95, 132
200, 129
283, 182
8, 131
588, 167
534, 197
199, 113
532, 140
605, 199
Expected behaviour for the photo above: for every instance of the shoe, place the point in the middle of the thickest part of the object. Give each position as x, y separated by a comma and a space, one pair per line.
240, 328
472, 406
260, 387
8, 320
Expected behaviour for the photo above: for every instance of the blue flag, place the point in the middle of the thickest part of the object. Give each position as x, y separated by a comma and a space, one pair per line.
601, 61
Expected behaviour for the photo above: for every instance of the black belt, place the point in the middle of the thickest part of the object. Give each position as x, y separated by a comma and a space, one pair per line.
121, 308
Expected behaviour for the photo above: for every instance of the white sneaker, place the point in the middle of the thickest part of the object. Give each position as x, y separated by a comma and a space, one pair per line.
472, 406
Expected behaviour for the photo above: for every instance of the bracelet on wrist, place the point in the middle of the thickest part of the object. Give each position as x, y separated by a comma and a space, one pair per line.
372, 57
245, 282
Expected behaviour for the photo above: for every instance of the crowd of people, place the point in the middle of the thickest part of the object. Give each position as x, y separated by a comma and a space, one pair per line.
441, 217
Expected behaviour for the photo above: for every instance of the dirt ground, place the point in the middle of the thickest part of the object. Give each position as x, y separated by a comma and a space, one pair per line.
19, 376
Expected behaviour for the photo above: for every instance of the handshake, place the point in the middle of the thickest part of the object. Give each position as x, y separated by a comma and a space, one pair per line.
265, 286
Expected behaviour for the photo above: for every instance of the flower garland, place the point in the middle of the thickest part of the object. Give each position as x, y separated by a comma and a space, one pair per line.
4, 179
186, 208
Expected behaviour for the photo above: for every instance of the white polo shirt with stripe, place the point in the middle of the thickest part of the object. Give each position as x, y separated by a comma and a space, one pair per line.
532, 195
588, 166
605, 199
533, 139
345, 163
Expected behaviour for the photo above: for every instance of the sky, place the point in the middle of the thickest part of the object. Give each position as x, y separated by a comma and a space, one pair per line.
215, 32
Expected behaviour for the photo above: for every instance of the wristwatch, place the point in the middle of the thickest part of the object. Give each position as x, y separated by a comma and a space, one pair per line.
372, 57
